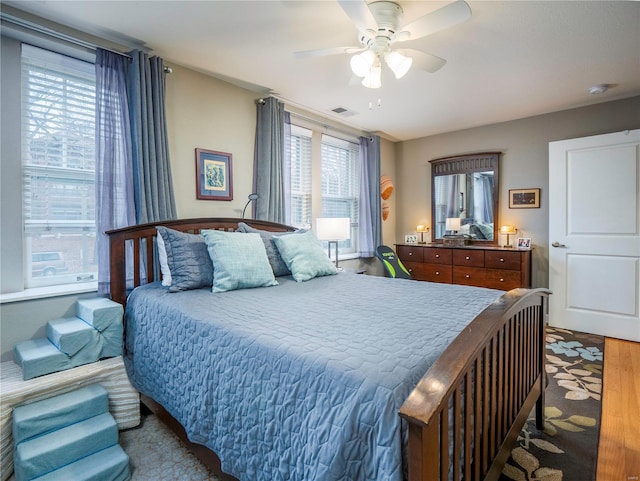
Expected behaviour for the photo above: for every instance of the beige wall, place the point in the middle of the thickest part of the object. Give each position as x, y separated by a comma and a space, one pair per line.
524, 164
204, 112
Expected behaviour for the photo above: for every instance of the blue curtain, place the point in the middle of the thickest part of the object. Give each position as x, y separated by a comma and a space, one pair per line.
370, 217
483, 198
114, 185
269, 173
153, 187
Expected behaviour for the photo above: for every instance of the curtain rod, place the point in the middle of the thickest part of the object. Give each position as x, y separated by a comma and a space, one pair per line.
355, 132
34, 27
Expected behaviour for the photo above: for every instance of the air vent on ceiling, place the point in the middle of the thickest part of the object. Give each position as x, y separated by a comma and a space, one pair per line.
343, 112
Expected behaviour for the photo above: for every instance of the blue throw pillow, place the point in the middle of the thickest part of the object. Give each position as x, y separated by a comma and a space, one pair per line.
239, 260
187, 259
277, 264
304, 256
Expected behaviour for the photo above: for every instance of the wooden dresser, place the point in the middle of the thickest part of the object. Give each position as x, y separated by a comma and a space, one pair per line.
491, 266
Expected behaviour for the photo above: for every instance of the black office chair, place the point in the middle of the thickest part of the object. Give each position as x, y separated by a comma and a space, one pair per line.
394, 267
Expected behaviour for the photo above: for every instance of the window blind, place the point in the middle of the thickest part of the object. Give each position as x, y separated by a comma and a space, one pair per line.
341, 184
300, 155
58, 144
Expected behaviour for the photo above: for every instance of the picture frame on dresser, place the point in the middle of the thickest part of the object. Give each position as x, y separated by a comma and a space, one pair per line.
524, 243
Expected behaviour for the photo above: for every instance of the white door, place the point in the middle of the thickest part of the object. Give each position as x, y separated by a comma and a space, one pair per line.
594, 234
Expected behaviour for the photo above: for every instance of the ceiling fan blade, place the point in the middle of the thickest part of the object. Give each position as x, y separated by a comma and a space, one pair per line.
443, 18
359, 13
323, 52
424, 61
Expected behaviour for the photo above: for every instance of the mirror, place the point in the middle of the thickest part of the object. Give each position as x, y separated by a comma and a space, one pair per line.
464, 196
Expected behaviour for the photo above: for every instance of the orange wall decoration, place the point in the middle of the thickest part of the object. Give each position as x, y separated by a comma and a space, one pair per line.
386, 189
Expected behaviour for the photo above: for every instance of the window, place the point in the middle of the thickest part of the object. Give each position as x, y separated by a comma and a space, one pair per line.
300, 159
336, 190
58, 165
341, 185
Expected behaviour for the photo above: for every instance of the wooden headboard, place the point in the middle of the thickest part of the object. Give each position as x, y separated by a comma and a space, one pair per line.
130, 247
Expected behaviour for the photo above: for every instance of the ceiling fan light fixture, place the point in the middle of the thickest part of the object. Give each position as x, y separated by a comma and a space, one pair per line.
398, 63
362, 63
373, 79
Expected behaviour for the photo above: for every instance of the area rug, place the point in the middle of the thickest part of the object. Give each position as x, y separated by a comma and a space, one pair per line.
156, 454
567, 449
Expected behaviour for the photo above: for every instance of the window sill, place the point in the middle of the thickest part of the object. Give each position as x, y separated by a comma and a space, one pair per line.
49, 291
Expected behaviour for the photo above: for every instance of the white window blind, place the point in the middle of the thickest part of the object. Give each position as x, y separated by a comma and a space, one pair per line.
58, 143
300, 155
341, 185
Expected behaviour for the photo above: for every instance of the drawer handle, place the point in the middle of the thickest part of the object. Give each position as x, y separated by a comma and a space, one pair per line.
468, 276
437, 273
410, 253
501, 280
437, 256
467, 257
501, 259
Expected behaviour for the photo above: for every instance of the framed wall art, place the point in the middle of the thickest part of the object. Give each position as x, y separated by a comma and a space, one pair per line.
214, 175
524, 198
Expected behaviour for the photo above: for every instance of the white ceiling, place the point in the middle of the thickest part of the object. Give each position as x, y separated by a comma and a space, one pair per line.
512, 59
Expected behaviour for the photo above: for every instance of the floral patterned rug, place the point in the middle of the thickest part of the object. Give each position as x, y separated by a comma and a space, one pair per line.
567, 449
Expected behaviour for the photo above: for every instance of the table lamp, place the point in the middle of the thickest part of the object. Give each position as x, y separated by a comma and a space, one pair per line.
422, 229
508, 230
333, 230
453, 224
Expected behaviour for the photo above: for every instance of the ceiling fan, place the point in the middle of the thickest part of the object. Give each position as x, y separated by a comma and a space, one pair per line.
380, 26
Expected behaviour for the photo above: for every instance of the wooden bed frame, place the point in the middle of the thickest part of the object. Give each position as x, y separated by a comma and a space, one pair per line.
465, 413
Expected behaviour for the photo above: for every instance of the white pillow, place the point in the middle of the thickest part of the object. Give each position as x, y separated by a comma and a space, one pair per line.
164, 263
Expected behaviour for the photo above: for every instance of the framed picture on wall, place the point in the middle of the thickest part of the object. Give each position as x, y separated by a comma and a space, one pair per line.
524, 198
214, 175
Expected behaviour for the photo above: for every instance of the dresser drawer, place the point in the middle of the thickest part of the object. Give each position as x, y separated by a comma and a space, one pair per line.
429, 272
502, 279
434, 255
415, 269
468, 257
410, 253
470, 276
502, 260
436, 273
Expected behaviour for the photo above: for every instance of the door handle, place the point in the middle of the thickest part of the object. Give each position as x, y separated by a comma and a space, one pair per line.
557, 244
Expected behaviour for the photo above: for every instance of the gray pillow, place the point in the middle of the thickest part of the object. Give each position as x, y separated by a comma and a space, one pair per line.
188, 260
277, 264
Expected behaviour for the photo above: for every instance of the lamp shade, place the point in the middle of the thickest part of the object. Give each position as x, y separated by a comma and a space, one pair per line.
398, 63
421, 228
361, 64
333, 228
508, 229
373, 79
453, 223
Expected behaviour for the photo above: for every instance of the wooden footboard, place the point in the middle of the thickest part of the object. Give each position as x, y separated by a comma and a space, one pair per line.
466, 412
468, 409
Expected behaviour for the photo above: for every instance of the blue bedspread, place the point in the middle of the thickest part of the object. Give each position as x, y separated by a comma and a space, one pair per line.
300, 381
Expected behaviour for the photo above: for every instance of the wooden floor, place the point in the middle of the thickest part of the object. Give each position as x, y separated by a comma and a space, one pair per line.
619, 449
